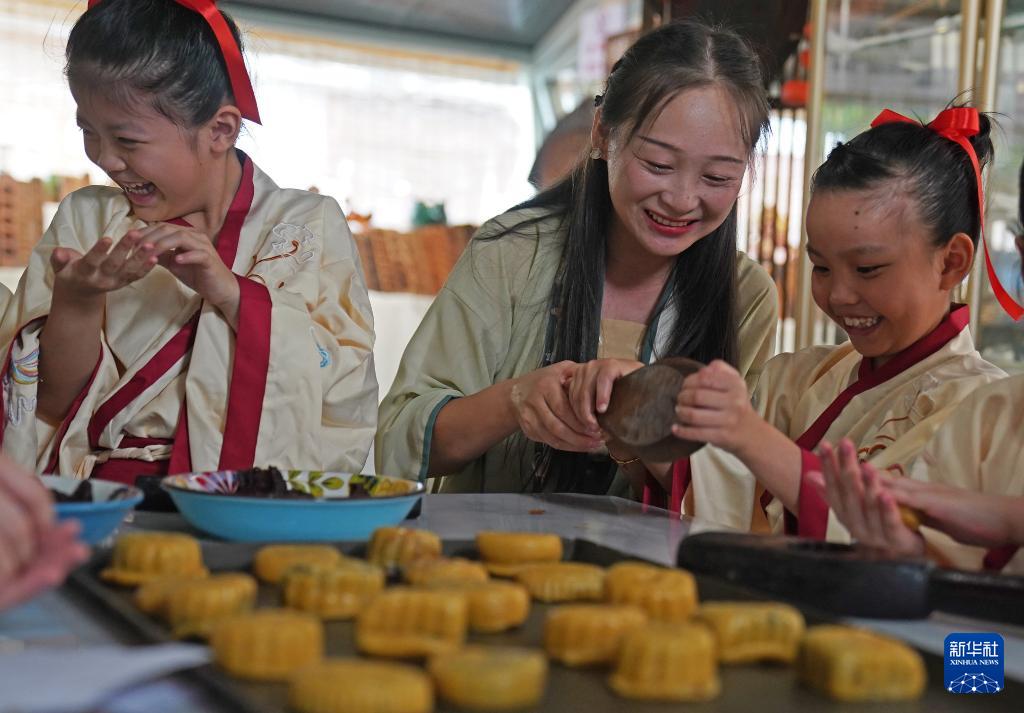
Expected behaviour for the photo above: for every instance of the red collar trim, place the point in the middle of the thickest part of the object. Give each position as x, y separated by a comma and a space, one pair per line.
955, 322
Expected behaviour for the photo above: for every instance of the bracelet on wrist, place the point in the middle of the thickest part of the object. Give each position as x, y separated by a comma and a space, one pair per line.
621, 463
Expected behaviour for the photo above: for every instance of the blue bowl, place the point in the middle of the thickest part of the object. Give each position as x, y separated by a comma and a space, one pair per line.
99, 519
346, 506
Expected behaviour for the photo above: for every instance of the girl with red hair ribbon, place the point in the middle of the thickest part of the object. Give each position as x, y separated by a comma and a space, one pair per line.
195, 317
966, 488
893, 223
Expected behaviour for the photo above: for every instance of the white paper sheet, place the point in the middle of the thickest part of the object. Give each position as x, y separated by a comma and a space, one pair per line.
52, 680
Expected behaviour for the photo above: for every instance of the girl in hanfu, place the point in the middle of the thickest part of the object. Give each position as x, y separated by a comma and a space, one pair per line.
966, 488
893, 222
196, 317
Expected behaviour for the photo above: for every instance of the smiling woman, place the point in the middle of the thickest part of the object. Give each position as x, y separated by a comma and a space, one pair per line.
631, 258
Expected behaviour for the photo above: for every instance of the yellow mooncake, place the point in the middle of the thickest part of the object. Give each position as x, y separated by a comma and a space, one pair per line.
426, 572
911, 517
403, 622
267, 644
665, 594
332, 591
490, 678
494, 606
354, 685
667, 662
505, 552
194, 607
272, 561
151, 596
143, 556
854, 665
754, 631
563, 581
398, 546
589, 634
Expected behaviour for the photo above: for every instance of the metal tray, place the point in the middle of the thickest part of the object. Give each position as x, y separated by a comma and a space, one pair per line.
764, 688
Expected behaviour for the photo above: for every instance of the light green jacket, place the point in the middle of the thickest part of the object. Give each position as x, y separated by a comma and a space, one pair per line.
488, 324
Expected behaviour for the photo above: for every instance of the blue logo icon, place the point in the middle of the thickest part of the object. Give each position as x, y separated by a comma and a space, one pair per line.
974, 663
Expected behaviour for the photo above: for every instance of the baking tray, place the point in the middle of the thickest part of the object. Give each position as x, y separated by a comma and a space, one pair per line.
764, 688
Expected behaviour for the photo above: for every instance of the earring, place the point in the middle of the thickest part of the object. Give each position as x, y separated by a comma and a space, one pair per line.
595, 154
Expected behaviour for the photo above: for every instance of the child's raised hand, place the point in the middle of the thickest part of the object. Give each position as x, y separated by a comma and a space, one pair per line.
714, 407
860, 498
591, 387
540, 401
191, 257
101, 269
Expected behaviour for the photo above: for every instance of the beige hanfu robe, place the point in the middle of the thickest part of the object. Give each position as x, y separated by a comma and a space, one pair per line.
831, 392
980, 448
490, 322
175, 388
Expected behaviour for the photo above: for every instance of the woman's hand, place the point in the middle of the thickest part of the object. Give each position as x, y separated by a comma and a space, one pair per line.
35, 552
714, 407
541, 404
591, 387
101, 269
191, 256
859, 496
58, 551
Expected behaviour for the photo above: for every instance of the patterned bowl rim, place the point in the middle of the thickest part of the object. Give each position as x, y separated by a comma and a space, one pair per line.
172, 485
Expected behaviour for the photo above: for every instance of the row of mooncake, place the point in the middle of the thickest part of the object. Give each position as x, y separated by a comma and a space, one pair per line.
643, 621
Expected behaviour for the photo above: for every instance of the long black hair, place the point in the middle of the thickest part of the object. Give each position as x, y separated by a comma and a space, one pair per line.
936, 172
154, 50
702, 286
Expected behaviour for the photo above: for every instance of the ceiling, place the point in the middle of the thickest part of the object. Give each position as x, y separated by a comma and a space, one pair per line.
516, 24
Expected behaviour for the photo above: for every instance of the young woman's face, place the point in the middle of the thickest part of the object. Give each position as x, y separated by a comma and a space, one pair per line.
677, 179
875, 271
149, 156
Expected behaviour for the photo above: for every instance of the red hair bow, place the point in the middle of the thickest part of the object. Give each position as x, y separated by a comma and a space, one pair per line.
241, 85
959, 125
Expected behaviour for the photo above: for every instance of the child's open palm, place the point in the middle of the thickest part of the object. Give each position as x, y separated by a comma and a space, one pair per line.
102, 268
857, 494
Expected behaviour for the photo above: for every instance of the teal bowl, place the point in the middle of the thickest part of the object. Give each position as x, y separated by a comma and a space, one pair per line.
100, 518
345, 506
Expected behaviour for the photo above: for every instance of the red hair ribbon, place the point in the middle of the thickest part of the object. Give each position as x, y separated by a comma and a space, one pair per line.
958, 125
241, 85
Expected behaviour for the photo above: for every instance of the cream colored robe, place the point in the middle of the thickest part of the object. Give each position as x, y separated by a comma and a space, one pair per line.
890, 422
980, 448
295, 388
488, 324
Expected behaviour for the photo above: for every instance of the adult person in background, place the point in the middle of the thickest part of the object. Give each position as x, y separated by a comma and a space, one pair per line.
563, 147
